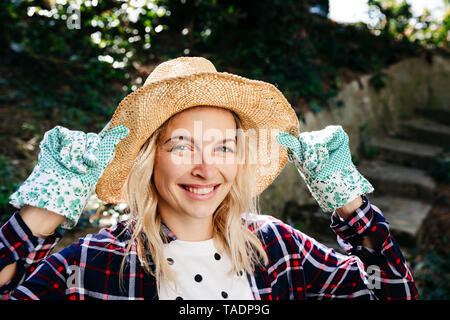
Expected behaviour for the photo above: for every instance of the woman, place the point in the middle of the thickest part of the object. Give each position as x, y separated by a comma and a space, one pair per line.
189, 153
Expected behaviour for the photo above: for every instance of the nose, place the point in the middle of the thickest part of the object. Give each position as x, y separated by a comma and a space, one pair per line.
204, 168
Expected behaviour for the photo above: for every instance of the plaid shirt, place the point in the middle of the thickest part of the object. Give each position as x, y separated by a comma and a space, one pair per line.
299, 266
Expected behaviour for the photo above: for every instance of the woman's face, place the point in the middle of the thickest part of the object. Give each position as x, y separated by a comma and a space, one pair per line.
193, 174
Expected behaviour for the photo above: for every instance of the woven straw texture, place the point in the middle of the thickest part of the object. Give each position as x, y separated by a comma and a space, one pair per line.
185, 82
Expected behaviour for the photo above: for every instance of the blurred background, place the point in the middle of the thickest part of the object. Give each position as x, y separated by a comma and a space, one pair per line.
379, 68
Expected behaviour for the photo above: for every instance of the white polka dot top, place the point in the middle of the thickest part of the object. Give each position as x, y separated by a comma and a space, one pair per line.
202, 273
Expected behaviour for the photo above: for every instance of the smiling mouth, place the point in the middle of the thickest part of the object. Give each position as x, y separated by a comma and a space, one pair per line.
199, 191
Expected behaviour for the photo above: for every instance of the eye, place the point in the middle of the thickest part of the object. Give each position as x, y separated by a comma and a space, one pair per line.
227, 149
179, 147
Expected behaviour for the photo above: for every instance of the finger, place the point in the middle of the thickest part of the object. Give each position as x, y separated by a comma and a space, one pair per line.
315, 152
73, 145
50, 142
291, 143
335, 137
90, 156
104, 130
109, 143
320, 145
311, 159
316, 157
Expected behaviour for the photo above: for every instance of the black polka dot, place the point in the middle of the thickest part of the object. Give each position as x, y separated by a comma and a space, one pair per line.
217, 256
179, 298
224, 294
198, 278
239, 273
170, 261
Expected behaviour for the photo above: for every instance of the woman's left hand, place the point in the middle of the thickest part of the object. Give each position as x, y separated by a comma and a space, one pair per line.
324, 161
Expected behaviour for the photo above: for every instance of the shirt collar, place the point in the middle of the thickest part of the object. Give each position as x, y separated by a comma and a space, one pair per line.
169, 235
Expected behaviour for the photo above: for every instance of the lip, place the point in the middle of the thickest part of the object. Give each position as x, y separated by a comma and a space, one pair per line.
196, 196
201, 185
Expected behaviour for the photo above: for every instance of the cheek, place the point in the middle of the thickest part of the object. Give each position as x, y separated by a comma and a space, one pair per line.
162, 172
166, 172
230, 172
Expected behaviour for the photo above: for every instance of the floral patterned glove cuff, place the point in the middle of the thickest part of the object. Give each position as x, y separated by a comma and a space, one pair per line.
43, 189
338, 189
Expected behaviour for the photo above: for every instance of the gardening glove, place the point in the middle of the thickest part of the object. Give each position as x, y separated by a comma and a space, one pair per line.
324, 161
69, 166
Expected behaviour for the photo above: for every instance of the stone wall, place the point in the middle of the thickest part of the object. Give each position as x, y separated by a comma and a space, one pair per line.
409, 84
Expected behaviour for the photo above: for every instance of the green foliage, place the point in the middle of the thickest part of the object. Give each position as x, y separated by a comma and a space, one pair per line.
432, 275
377, 80
74, 70
394, 19
289, 43
7, 186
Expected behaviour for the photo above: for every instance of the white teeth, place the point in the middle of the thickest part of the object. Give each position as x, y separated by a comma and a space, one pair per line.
200, 191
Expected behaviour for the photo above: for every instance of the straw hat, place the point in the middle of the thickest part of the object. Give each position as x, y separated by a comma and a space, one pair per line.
185, 82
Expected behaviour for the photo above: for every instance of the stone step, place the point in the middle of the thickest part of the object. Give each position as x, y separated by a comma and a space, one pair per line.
405, 152
438, 115
393, 179
426, 131
405, 216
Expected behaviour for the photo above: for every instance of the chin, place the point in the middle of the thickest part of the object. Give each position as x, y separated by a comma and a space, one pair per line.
200, 213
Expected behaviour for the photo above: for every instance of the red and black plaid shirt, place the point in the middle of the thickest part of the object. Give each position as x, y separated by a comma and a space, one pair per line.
299, 266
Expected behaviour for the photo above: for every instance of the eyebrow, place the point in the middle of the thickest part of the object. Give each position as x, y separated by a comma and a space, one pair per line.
191, 139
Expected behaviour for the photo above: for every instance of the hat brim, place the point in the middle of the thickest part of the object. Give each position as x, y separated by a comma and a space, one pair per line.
260, 106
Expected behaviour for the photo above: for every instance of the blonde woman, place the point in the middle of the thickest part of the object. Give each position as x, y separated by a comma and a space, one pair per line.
189, 153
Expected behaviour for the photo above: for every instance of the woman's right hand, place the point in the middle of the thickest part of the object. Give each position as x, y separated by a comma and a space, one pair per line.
69, 166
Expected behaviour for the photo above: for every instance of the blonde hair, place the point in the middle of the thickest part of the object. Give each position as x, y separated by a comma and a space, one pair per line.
231, 226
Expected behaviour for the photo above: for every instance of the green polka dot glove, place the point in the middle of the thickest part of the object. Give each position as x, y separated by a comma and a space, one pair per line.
70, 163
324, 161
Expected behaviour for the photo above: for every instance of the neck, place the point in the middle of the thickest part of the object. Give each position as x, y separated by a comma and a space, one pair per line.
189, 228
